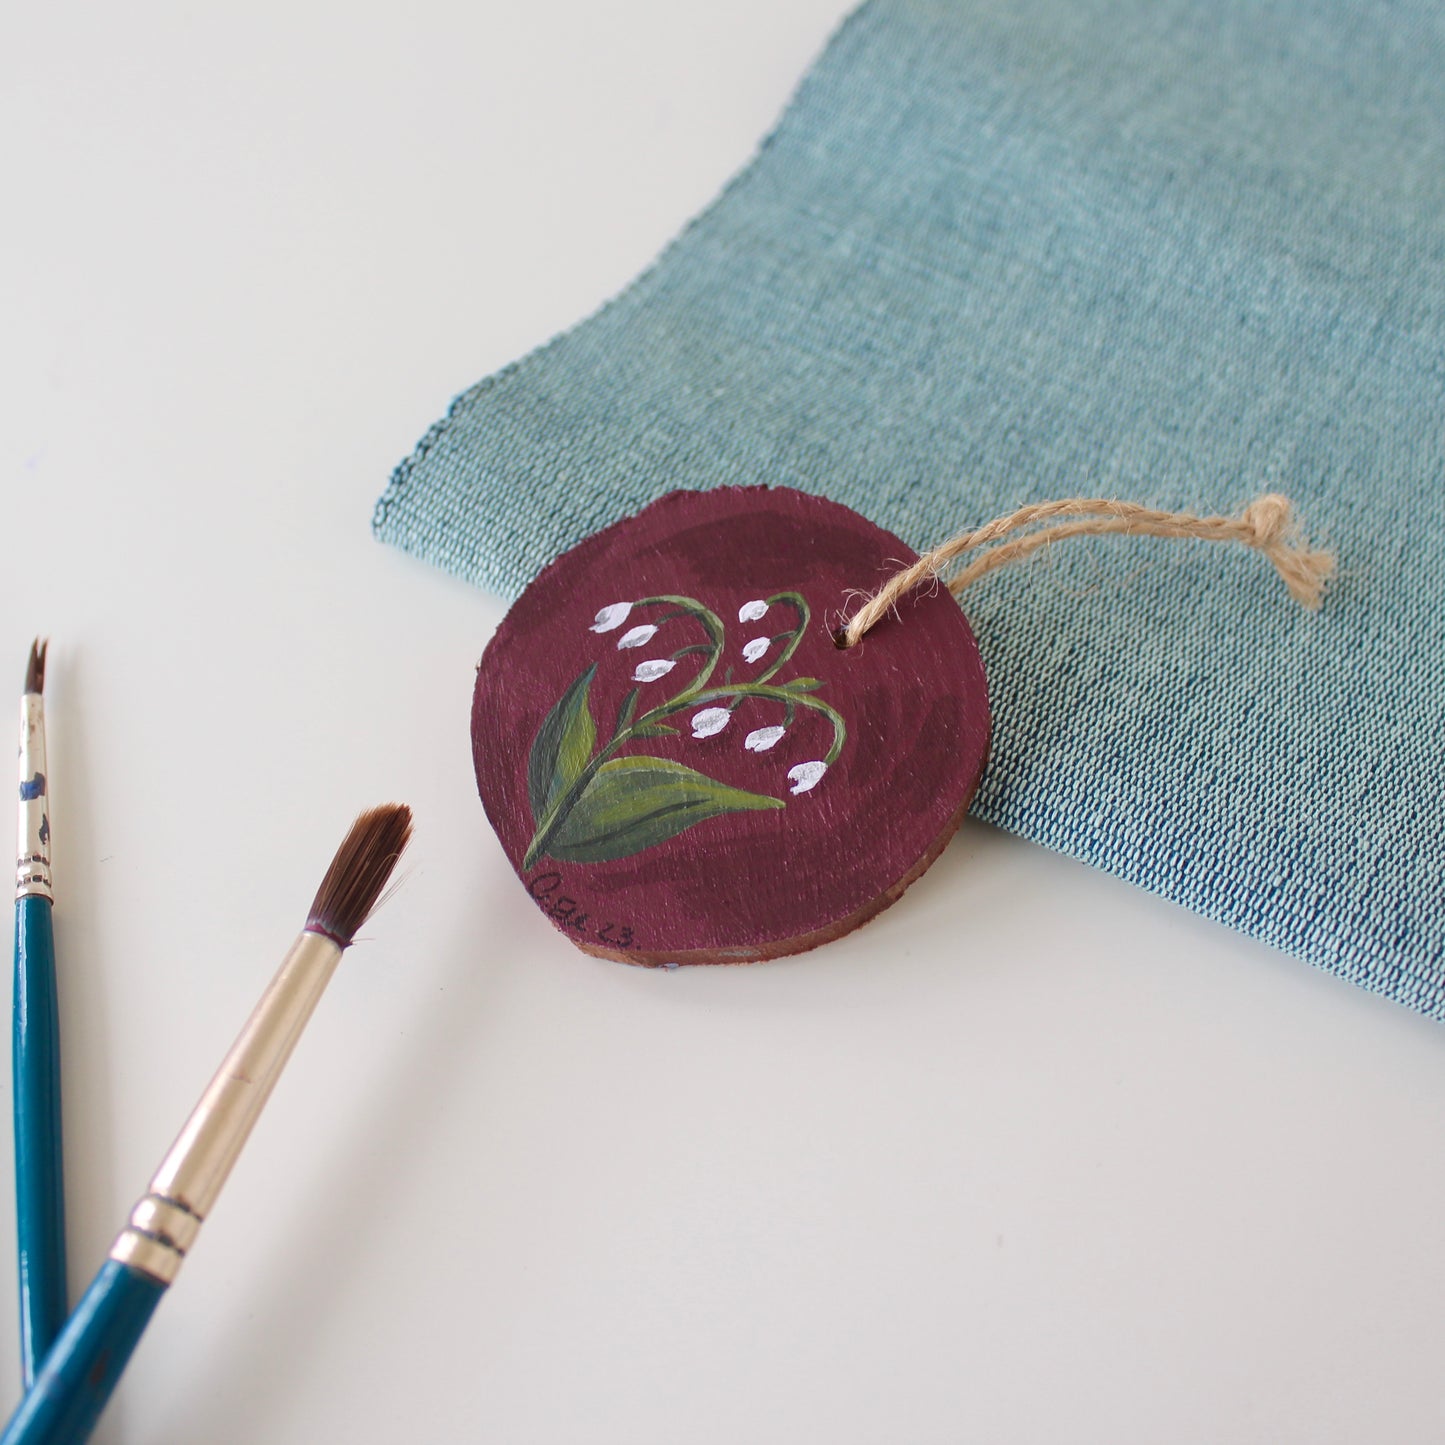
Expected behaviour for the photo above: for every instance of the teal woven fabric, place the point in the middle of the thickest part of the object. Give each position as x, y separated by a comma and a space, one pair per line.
1175, 251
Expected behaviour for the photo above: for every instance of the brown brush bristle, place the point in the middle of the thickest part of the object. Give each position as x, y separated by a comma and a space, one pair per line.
359, 872
35, 668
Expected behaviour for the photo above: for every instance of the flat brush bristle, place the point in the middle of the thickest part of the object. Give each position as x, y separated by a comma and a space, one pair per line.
35, 668
359, 872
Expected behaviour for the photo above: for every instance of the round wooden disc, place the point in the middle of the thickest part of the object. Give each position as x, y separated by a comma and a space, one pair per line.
681, 763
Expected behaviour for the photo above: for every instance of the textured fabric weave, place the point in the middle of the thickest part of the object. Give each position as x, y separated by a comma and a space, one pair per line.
1174, 251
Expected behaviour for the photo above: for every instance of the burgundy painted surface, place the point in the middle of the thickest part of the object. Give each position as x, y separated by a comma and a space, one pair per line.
750, 884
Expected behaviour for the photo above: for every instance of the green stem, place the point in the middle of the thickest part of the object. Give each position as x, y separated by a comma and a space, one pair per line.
789, 699
799, 604
711, 624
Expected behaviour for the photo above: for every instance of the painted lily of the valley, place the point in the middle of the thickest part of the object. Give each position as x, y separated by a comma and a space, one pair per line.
593, 801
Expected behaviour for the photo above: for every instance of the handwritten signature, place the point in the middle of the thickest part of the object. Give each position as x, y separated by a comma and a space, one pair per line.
546, 889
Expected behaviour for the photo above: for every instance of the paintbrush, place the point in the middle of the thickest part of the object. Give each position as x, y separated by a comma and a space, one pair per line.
87, 1359
35, 1051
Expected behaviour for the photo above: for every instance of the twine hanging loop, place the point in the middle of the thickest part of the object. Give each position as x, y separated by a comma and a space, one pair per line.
1267, 524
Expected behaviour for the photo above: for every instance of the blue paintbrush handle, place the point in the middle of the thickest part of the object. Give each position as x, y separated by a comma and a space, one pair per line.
39, 1175
87, 1360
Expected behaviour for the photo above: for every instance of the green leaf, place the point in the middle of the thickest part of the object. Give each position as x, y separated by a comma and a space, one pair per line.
804, 684
635, 803
655, 730
562, 747
626, 712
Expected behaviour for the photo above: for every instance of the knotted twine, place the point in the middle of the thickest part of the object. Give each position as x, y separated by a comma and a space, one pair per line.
1267, 524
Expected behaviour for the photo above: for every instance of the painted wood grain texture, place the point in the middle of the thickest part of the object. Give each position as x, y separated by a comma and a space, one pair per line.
683, 766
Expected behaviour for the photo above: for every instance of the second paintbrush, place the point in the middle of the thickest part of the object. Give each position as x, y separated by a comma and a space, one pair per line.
35, 1048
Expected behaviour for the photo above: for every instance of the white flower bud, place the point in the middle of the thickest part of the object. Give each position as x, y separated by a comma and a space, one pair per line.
805, 776
761, 739
651, 671
610, 617
756, 648
637, 636
751, 611
709, 721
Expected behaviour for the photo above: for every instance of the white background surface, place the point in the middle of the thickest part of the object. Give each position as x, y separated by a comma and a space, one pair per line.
1034, 1157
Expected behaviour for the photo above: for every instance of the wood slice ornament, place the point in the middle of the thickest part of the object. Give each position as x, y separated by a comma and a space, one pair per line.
682, 764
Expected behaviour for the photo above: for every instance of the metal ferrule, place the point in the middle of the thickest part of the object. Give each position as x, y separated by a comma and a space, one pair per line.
156, 1238
32, 853
163, 1226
